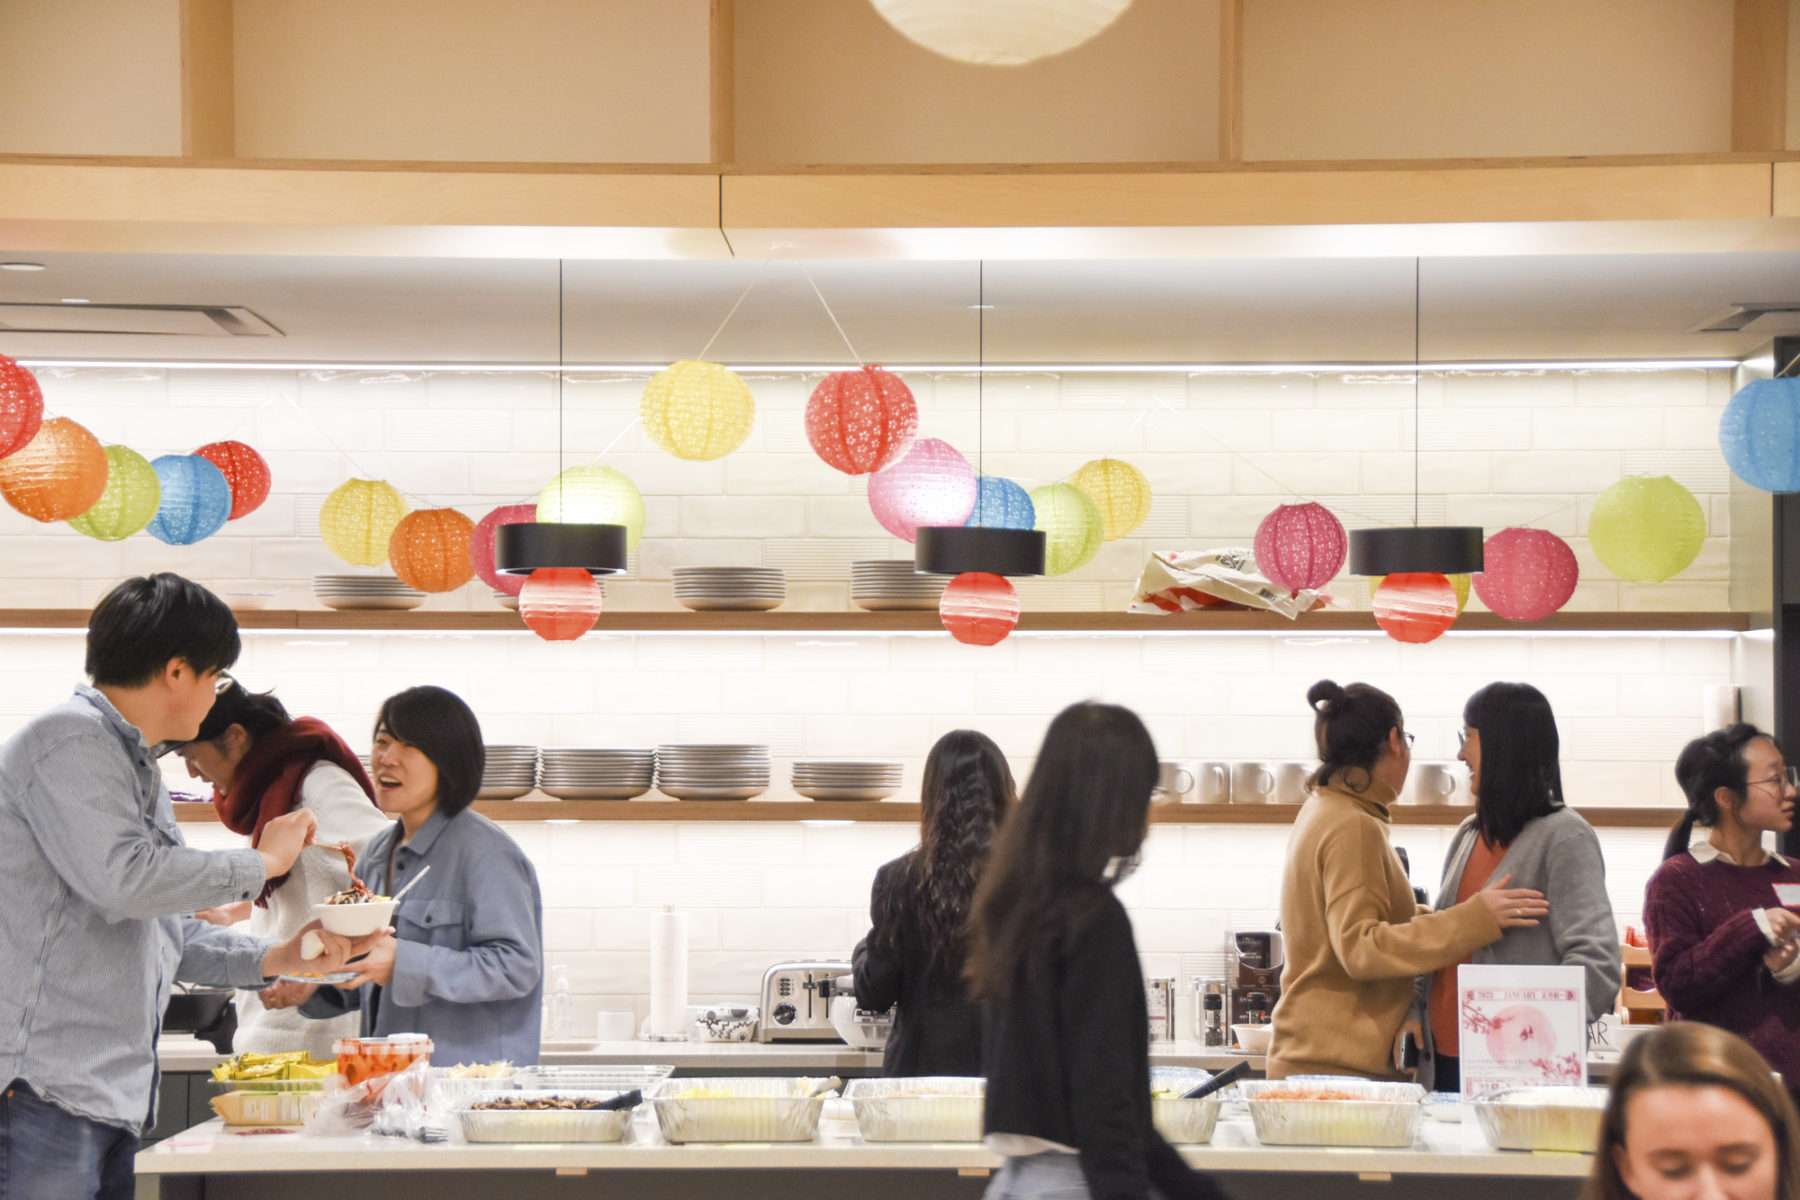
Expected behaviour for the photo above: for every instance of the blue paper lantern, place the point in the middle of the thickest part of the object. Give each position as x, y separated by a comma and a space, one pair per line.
1001, 504
196, 500
1760, 434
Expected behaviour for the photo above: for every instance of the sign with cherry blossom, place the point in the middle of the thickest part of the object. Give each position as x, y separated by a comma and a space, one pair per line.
1521, 1026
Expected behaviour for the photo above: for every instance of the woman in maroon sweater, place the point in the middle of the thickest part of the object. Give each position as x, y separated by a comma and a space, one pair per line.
1725, 945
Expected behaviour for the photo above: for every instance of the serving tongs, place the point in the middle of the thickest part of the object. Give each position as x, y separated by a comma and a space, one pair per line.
1223, 1079
630, 1099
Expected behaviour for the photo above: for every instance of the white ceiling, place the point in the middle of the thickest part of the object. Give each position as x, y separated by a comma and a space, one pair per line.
1286, 310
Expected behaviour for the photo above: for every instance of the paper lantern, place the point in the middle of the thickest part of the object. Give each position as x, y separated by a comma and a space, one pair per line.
196, 500
429, 550
133, 494
1070, 521
59, 475
21, 406
358, 518
1458, 583
1530, 573
1001, 504
481, 545
560, 603
593, 496
245, 470
932, 484
1759, 434
1646, 528
1120, 490
697, 410
978, 608
1300, 546
1415, 606
861, 421
999, 33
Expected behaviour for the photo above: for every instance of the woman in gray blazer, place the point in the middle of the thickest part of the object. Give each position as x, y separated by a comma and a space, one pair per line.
1520, 831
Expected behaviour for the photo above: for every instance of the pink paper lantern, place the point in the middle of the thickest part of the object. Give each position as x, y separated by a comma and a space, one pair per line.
481, 545
1415, 606
1528, 574
1300, 546
932, 484
979, 609
560, 603
21, 406
245, 470
861, 421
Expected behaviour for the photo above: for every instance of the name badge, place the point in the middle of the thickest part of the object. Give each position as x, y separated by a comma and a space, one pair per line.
1788, 893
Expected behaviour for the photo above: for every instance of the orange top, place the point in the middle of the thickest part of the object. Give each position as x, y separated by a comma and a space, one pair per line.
1441, 1008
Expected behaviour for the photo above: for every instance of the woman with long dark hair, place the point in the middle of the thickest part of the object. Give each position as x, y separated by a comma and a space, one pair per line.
914, 953
1052, 959
1724, 945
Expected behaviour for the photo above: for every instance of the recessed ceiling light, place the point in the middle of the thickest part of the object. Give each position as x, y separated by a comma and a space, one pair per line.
75, 300
21, 266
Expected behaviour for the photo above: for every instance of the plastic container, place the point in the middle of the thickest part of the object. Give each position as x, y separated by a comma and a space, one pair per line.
542, 1125
265, 1108
932, 1108
1189, 1122
1542, 1118
450, 1091
737, 1109
1383, 1114
359, 1059
598, 1078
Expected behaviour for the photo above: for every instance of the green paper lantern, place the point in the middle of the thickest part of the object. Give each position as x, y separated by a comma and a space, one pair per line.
1646, 528
132, 496
1072, 525
593, 496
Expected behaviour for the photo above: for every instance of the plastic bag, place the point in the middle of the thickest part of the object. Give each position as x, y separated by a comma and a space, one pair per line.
387, 1104
1186, 580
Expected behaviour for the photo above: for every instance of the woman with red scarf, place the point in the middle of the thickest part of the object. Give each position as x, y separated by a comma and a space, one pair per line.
263, 764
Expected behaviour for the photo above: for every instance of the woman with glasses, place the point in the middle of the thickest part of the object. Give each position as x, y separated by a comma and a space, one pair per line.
1724, 941
1521, 831
1354, 939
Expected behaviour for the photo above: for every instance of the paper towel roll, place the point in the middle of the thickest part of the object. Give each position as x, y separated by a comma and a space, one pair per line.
668, 973
1719, 706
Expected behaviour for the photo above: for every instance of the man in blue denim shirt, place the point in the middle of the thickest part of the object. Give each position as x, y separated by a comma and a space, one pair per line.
96, 888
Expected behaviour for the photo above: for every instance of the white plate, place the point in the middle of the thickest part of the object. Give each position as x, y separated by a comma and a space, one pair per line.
504, 793
845, 793
701, 605
683, 792
372, 603
587, 792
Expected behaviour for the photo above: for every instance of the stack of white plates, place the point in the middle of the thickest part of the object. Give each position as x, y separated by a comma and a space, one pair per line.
709, 589
712, 772
818, 779
891, 584
365, 591
596, 774
511, 772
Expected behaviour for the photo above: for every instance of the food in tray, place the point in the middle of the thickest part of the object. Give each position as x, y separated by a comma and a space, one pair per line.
700, 1093
1318, 1092
493, 1070
540, 1103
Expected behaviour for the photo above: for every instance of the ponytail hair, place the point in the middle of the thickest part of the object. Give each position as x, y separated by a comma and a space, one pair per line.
257, 712
1350, 729
1705, 765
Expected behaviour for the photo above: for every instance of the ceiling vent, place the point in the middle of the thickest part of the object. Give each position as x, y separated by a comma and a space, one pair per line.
156, 320
1753, 316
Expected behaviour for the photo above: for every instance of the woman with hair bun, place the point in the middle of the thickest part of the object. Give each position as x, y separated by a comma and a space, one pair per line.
1354, 938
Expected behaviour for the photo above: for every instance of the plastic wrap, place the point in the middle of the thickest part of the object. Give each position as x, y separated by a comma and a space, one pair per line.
1189, 1122
1384, 1114
932, 1108
542, 1125
597, 1078
748, 1109
1542, 1118
447, 1091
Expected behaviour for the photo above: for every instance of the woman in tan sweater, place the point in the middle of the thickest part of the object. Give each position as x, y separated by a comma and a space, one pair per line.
1354, 937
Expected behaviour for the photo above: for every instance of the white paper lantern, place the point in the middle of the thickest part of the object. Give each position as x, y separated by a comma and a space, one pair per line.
999, 33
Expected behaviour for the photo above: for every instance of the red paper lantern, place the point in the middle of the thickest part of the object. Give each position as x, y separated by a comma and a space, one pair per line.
21, 406
978, 608
560, 603
245, 470
861, 421
1300, 546
1415, 606
58, 476
481, 545
1528, 574
429, 550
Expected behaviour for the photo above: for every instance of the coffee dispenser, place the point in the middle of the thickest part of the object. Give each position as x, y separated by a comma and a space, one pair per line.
1253, 962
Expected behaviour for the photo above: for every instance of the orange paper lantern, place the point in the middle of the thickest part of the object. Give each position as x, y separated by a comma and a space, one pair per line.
979, 609
1415, 606
245, 470
59, 475
560, 603
21, 407
429, 550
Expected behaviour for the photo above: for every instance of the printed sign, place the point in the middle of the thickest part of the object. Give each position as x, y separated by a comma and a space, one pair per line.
1521, 1026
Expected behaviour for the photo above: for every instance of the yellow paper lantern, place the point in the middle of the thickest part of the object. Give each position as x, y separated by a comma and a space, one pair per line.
1646, 528
593, 496
358, 519
429, 550
1458, 583
696, 410
132, 496
1120, 490
59, 475
1070, 521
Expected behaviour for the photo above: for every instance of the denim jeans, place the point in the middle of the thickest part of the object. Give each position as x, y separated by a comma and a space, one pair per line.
49, 1154
1051, 1176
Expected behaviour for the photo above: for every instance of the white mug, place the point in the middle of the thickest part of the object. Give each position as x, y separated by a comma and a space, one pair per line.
1174, 784
1251, 783
615, 1026
1290, 782
1431, 783
1214, 783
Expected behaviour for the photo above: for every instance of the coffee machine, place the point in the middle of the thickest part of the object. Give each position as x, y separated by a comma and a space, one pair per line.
1253, 962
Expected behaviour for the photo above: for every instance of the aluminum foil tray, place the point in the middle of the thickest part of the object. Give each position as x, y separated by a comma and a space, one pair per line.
595, 1078
1542, 1118
545, 1125
931, 1108
742, 1109
1385, 1114
1181, 1121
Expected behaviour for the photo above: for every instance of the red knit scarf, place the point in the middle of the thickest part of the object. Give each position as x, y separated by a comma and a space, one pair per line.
266, 783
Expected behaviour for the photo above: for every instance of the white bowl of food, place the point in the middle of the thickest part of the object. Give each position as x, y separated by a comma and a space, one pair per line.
357, 918
1253, 1039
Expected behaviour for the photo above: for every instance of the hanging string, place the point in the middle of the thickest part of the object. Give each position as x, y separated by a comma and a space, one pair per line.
1415, 392
980, 373
832, 315
722, 324
559, 391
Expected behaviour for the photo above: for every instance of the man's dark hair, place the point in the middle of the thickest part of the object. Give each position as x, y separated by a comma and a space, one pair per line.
440, 726
145, 623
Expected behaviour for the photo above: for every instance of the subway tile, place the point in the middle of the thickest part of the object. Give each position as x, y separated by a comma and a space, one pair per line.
568, 929
1556, 470
809, 930
1642, 389
1285, 474
1610, 428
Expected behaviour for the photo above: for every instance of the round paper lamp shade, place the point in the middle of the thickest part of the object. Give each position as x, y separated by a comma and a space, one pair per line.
932, 484
481, 545
1120, 490
978, 608
21, 407
1529, 574
593, 496
560, 603
861, 421
1001, 504
1415, 607
196, 500
1300, 546
1071, 524
358, 518
999, 33
132, 496
1759, 433
429, 550
1646, 528
59, 475
245, 470
697, 410
1458, 583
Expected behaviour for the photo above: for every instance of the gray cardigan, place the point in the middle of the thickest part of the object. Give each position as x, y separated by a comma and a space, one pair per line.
1558, 855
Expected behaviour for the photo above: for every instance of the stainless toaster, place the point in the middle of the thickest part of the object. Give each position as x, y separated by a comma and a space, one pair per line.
796, 1000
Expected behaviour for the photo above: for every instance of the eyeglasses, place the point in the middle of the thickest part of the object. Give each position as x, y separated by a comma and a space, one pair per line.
1410, 739
1462, 737
1790, 777
222, 683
